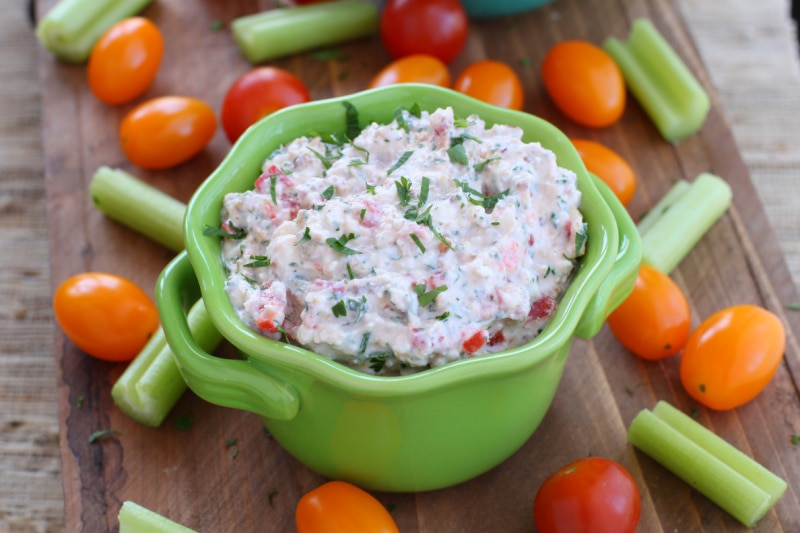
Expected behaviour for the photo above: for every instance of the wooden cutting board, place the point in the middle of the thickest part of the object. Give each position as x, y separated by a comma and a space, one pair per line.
226, 474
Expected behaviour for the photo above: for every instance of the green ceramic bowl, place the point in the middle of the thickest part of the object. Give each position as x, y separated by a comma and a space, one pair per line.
419, 432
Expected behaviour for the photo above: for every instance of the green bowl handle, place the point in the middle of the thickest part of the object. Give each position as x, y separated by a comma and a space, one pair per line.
232, 383
620, 281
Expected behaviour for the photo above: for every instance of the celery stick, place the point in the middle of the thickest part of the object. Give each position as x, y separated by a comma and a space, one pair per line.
666, 201
134, 518
724, 451
152, 383
660, 81
729, 478
139, 206
72, 27
284, 31
675, 230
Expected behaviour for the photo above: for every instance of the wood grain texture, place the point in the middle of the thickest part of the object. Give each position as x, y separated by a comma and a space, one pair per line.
198, 478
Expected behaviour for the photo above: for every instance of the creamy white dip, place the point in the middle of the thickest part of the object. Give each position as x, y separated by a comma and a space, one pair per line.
416, 244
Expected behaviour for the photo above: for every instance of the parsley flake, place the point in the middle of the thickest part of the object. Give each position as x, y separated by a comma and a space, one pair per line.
426, 297
340, 244
400, 162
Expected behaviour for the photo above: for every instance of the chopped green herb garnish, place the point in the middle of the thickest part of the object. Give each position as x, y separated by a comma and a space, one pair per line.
273, 186
370, 188
216, 25
391, 507
400, 119
258, 261
231, 442
424, 188
235, 453
350, 273
183, 422
417, 242
102, 434
793, 306
271, 492
580, 239
458, 154
235, 233
306, 236
443, 316
327, 54
358, 306
351, 121
403, 187
340, 244
400, 162
339, 310
377, 361
482, 165
475, 197
328, 193
795, 439
426, 297
79, 401
364, 342
326, 161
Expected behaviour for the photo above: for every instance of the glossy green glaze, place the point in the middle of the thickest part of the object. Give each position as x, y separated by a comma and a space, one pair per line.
411, 433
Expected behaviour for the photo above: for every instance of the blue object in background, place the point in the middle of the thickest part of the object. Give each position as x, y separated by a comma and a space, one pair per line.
499, 8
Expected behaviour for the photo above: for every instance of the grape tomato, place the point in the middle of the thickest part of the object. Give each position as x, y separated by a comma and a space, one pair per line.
125, 60
166, 131
584, 82
416, 68
654, 321
340, 507
609, 166
257, 93
105, 315
590, 495
732, 356
433, 27
493, 82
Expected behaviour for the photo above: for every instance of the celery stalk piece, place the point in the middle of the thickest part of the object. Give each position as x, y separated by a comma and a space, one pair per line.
728, 477
139, 206
660, 81
134, 518
661, 207
289, 30
676, 229
152, 383
72, 27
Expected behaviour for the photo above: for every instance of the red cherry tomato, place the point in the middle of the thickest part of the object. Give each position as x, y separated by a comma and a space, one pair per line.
654, 321
256, 94
166, 131
493, 82
417, 68
609, 166
339, 507
732, 356
432, 27
106, 316
584, 82
590, 495
125, 60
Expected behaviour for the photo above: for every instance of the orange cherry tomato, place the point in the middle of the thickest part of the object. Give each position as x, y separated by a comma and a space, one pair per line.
493, 82
732, 356
654, 321
609, 166
584, 82
339, 507
257, 93
166, 131
105, 315
125, 60
417, 68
